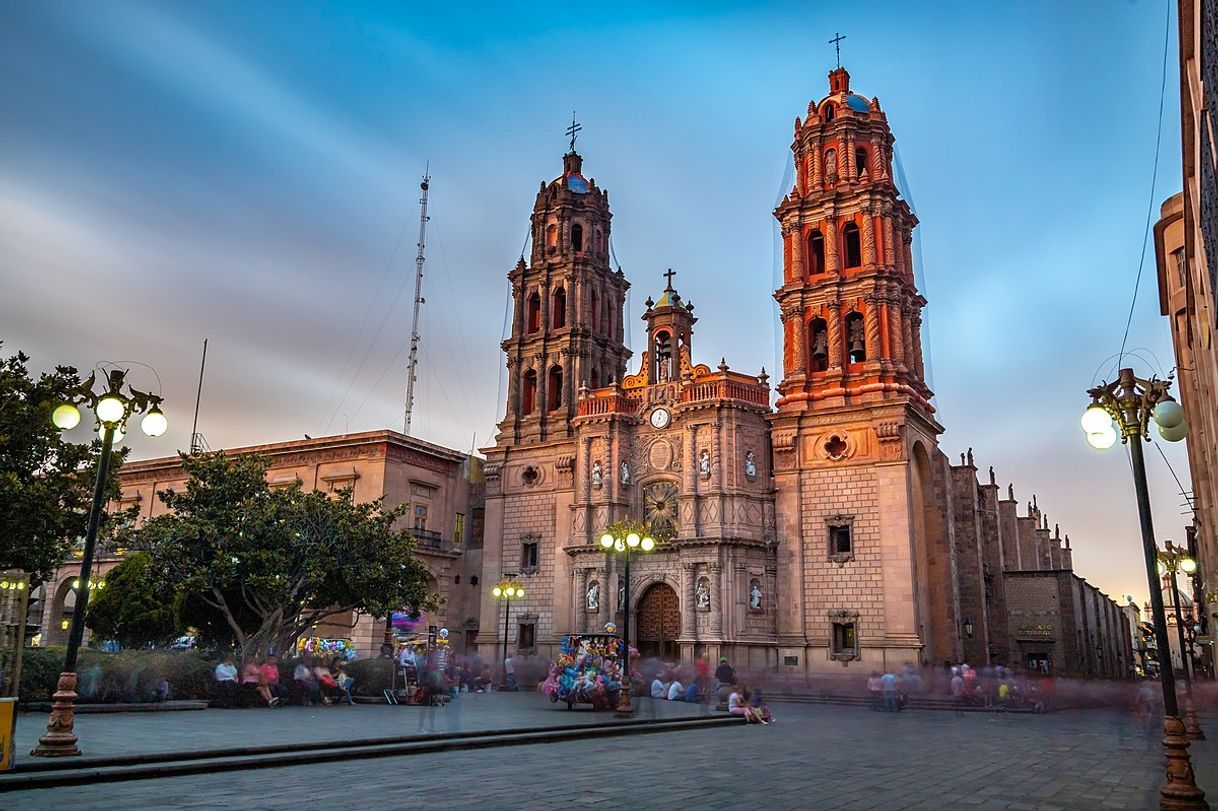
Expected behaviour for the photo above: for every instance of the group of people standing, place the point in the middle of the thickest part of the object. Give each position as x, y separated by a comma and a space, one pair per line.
257, 683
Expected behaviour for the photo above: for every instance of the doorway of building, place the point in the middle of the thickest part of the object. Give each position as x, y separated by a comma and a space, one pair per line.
659, 622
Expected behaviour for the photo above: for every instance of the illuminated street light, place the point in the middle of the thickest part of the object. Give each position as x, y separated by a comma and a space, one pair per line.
626, 538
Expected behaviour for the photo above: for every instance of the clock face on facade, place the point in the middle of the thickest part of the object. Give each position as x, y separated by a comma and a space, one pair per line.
577, 184
660, 418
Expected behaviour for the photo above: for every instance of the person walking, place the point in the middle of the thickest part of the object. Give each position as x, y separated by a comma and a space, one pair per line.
892, 700
957, 692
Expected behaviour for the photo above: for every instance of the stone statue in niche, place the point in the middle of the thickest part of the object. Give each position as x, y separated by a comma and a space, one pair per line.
704, 462
597, 475
625, 473
702, 595
755, 596
594, 597
750, 465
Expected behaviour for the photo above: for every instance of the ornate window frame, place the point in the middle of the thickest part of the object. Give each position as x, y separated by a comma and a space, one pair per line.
838, 521
843, 617
526, 540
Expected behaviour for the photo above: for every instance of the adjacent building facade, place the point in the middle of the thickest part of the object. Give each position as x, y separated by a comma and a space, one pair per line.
442, 486
822, 530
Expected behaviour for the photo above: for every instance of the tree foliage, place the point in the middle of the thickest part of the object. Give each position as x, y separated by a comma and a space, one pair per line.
46, 483
272, 562
135, 608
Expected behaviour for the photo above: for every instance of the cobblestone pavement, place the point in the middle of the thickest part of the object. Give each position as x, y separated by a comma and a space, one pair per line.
106, 734
814, 757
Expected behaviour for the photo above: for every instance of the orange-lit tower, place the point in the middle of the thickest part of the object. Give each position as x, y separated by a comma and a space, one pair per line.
854, 436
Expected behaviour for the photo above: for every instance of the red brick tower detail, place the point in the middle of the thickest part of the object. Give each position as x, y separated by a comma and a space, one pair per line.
851, 314
567, 324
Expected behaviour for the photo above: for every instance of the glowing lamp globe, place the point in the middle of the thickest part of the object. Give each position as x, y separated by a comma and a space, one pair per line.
510, 591
1175, 433
619, 545
66, 416
648, 544
1162, 568
154, 422
1167, 413
119, 433
110, 409
633, 539
1102, 440
1095, 419
497, 592
1188, 565
607, 540
519, 594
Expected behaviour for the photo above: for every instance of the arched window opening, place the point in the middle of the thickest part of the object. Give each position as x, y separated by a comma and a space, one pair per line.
577, 237
533, 313
856, 338
853, 248
830, 165
595, 378
552, 235
559, 318
554, 389
818, 345
816, 252
528, 393
860, 162
663, 360
827, 112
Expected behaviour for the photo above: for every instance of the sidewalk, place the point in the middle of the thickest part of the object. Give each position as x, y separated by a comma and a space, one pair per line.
107, 735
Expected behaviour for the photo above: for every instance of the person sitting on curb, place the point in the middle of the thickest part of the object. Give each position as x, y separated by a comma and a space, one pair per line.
737, 704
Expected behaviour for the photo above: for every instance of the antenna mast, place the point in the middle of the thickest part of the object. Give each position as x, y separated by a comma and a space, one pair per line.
418, 300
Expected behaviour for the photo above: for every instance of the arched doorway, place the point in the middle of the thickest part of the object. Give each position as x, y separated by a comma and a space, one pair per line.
659, 622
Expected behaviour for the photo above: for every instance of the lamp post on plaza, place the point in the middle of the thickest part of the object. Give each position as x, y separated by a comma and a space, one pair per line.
507, 589
626, 539
1125, 408
111, 409
1171, 562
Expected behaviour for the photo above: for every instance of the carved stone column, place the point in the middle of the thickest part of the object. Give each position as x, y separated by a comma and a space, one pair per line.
845, 161
714, 576
894, 332
907, 340
835, 334
818, 168
581, 597
689, 612
871, 322
868, 238
608, 603
889, 251
831, 234
916, 351
907, 252
797, 252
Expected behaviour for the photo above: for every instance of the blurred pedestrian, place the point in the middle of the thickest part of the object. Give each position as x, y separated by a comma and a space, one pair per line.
891, 697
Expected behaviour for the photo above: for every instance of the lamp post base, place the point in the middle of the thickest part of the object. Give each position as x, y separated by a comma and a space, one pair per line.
1192, 729
1180, 791
624, 708
60, 739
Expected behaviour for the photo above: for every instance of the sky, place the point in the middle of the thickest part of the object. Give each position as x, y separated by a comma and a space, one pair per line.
248, 173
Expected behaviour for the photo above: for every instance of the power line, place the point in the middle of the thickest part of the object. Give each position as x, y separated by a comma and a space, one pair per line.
1154, 175
1171, 470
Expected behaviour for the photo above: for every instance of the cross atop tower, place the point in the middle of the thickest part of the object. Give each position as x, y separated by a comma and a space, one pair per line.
573, 129
836, 42
669, 276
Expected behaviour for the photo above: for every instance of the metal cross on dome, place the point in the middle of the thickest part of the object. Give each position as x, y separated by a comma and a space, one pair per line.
573, 129
836, 42
669, 276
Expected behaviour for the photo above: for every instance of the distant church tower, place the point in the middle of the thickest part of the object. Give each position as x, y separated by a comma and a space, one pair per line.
854, 435
567, 324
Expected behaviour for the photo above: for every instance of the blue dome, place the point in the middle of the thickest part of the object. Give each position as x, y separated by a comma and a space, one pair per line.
858, 103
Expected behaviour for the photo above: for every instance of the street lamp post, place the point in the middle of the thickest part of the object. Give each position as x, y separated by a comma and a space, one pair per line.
1171, 562
507, 589
625, 539
1125, 408
112, 408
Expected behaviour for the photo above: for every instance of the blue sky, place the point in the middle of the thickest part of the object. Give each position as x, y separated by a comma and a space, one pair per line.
243, 172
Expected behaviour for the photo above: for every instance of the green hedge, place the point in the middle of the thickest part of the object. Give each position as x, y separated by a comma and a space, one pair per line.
109, 678
372, 676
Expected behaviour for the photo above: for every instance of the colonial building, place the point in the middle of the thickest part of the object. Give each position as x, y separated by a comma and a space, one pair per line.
824, 531
442, 486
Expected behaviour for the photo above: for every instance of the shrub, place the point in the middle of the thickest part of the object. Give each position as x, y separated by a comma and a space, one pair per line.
372, 676
127, 676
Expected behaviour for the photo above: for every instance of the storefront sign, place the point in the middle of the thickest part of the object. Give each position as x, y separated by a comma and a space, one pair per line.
1040, 631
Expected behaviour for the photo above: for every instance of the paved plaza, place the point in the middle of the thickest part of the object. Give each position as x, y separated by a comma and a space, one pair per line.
814, 757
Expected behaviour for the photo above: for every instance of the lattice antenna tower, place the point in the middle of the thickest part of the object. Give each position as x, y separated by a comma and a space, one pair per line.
413, 365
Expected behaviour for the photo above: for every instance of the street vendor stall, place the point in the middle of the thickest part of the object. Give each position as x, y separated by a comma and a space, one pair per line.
419, 671
588, 670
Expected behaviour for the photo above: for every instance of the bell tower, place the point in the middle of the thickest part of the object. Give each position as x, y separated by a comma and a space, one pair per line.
854, 436
567, 323
670, 332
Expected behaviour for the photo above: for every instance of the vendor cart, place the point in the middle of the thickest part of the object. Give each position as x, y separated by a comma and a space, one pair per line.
588, 670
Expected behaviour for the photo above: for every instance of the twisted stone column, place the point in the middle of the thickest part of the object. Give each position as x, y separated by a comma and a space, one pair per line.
835, 334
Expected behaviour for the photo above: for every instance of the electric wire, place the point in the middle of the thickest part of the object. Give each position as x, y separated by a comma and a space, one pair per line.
1154, 175
1172, 470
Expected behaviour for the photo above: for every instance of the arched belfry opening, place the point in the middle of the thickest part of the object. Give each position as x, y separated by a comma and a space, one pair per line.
852, 246
577, 238
554, 389
818, 345
533, 312
558, 318
528, 393
815, 257
856, 338
663, 356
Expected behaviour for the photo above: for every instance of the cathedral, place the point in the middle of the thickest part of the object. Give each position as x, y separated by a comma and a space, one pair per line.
803, 529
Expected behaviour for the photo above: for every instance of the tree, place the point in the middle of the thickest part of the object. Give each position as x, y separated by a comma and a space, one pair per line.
272, 562
135, 607
46, 483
